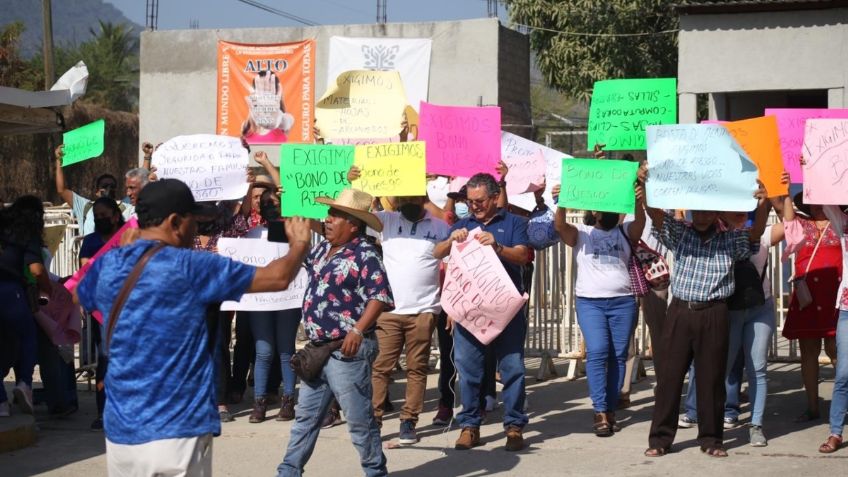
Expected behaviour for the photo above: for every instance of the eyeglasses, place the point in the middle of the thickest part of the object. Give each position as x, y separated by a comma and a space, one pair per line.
478, 202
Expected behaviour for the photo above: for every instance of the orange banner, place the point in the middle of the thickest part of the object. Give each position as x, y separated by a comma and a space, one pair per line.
758, 137
266, 93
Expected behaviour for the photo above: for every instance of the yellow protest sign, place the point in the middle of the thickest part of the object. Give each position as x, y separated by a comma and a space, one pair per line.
363, 104
53, 236
391, 169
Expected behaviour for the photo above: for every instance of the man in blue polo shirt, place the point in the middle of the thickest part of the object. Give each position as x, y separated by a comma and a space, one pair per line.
506, 233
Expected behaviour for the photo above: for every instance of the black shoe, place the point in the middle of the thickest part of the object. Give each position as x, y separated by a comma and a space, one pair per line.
97, 424
225, 415
331, 419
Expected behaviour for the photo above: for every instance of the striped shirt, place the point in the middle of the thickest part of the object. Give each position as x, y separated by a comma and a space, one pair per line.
703, 269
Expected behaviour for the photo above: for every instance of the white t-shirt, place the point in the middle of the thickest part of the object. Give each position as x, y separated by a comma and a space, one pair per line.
601, 257
408, 257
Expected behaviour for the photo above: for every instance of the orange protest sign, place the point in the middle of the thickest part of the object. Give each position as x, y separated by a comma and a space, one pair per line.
758, 137
266, 92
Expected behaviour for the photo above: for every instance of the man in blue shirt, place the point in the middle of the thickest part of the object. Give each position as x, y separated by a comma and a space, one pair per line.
160, 414
506, 233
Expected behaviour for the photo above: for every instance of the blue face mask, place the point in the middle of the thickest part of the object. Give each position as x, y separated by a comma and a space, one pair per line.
461, 209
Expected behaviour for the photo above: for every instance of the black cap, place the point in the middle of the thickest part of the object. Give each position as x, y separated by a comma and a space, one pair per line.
159, 199
461, 195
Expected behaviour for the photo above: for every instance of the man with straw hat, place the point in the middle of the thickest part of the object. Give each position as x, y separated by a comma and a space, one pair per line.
348, 289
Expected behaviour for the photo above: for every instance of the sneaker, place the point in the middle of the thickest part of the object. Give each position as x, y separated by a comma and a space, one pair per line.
97, 424
23, 397
443, 416
5, 409
331, 419
286, 408
731, 422
756, 437
491, 403
468, 438
407, 434
514, 439
686, 423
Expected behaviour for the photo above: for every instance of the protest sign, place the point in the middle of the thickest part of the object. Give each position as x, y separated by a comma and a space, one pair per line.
622, 108
259, 253
266, 92
437, 191
308, 171
53, 236
59, 319
478, 294
698, 167
595, 184
394, 169
517, 146
461, 141
213, 167
790, 127
526, 173
826, 161
83, 143
367, 104
758, 137
114, 242
361, 141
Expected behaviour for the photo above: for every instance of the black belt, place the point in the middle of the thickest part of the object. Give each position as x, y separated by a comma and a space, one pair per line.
699, 305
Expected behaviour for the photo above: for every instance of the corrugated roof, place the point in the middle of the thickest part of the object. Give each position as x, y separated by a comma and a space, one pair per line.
741, 6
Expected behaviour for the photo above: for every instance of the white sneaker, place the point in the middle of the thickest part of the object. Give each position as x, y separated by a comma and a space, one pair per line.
23, 397
5, 411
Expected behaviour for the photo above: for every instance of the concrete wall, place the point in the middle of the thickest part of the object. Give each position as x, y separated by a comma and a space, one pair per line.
178, 69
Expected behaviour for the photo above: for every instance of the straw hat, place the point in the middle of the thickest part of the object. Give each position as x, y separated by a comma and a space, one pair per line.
356, 203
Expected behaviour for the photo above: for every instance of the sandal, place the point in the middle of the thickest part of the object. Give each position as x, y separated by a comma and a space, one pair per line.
807, 416
831, 445
602, 426
657, 451
714, 452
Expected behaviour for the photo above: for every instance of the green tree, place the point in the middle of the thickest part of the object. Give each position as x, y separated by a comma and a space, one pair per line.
15, 72
112, 64
572, 62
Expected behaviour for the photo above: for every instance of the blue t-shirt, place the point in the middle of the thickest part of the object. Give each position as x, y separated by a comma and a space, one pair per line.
160, 383
91, 244
509, 230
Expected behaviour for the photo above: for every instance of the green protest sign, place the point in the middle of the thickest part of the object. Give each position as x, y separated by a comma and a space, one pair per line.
308, 171
84, 142
596, 184
621, 109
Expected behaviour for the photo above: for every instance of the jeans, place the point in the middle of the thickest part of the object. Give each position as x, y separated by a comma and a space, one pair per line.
690, 404
16, 318
274, 330
839, 403
607, 325
751, 330
469, 357
349, 379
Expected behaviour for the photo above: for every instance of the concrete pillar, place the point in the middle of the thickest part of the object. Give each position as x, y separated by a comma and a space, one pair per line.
836, 98
687, 109
717, 103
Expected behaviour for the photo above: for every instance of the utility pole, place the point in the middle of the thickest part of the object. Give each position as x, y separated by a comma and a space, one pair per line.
47, 27
381, 12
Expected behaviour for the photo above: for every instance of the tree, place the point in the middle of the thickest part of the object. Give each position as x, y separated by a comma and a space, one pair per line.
113, 66
572, 62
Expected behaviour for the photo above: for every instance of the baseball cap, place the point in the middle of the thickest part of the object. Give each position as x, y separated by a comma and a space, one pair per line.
461, 195
159, 199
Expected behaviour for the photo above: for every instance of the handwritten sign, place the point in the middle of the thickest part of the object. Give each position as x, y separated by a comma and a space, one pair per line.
622, 108
364, 103
517, 146
308, 171
461, 141
83, 143
526, 173
478, 294
826, 157
394, 169
358, 141
213, 167
602, 185
790, 127
57, 317
758, 137
698, 167
259, 253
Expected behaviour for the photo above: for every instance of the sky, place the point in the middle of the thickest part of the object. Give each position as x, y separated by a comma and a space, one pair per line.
179, 14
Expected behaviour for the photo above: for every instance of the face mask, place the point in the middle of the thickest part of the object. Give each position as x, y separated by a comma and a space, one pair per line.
270, 212
608, 220
461, 209
411, 212
103, 226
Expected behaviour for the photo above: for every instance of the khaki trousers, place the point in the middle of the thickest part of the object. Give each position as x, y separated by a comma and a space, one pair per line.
186, 457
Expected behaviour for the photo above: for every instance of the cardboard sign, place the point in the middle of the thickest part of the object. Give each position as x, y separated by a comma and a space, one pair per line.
790, 127
622, 108
308, 171
53, 236
526, 173
461, 141
758, 137
699, 167
602, 185
213, 167
259, 253
826, 157
366, 104
394, 169
477, 293
517, 146
83, 143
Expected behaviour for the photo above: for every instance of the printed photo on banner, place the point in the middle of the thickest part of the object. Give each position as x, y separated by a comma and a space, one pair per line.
601, 185
513, 145
266, 92
393, 169
758, 137
461, 140
826, 161
259, 253
213, 167
790, 126
308, 171
622, 108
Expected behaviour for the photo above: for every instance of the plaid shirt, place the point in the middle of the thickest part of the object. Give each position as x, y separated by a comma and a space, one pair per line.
703, 270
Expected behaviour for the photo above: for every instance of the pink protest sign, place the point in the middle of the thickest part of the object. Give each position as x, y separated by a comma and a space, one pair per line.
526, 173
478, 294
114, 242
826, 161
790, 129
60, 318
461, 141
456, 184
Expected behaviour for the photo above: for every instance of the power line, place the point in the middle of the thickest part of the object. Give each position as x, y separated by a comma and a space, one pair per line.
573, 33
279, 12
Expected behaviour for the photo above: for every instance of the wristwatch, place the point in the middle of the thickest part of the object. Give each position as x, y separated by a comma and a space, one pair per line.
356, 331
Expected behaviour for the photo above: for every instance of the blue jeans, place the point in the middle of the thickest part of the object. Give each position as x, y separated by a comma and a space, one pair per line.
274, 330
16, 318
349, 379
469, 358
607, 325
839, 403
690, 404
751, 330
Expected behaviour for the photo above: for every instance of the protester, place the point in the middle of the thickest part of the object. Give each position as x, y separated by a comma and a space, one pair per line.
507, 235
347, 291
160, 336
136, 179
606, 306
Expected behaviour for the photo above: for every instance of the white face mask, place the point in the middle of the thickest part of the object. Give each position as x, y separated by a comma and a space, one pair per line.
461, 209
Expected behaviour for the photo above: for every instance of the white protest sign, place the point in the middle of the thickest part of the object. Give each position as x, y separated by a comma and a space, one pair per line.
259, 253
519, 147
698, 167
213, 167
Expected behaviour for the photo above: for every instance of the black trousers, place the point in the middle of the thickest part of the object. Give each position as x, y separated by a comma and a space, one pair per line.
447, 378
691, 333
